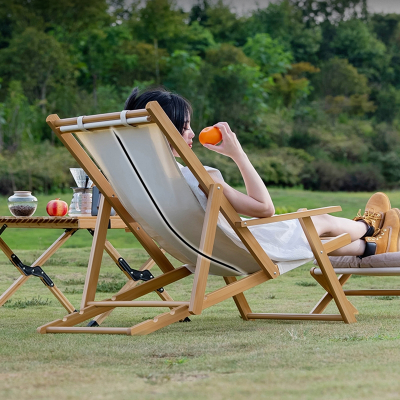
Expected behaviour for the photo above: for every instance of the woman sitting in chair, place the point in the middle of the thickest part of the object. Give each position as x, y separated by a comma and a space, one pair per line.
375, 232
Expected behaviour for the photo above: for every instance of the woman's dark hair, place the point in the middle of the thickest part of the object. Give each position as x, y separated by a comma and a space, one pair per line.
176, 107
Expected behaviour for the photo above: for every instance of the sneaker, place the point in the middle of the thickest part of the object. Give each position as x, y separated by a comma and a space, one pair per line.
374, 214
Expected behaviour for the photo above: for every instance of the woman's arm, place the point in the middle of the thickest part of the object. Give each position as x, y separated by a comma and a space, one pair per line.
257, 202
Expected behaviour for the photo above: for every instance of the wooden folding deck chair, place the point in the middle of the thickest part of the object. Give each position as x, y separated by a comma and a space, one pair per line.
128, 157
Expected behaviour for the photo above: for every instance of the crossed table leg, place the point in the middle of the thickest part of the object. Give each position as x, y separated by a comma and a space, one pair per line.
36, 270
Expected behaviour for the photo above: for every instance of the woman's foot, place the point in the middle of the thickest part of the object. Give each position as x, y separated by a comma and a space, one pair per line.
374, 214
388, 239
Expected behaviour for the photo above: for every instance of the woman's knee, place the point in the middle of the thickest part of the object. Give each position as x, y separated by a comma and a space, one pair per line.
324, 223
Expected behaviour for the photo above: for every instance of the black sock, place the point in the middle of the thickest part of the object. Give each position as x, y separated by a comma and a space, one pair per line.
370, 250
370, 231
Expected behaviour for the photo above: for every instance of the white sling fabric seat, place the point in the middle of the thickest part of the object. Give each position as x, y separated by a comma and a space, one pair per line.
141, 169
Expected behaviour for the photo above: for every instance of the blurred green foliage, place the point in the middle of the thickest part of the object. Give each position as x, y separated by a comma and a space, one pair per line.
311, 88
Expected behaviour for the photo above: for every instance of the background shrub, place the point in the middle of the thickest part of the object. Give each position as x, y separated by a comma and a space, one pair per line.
329, 176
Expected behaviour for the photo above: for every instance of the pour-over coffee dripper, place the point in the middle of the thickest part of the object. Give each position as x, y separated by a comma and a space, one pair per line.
81, 178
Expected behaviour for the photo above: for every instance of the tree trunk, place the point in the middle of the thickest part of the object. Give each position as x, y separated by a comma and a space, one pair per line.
43, 97
364, 12
156, 61
43, 101
1, 138
95, 92
14, 124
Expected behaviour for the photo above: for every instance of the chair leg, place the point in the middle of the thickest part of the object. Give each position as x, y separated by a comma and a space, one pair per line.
96, 252
327, 297
240, 300
335, 289
206, 246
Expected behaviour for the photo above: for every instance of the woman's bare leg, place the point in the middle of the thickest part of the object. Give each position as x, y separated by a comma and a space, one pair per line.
355, 248
328, 225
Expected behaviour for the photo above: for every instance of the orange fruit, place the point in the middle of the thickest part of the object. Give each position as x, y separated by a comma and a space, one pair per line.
210, 135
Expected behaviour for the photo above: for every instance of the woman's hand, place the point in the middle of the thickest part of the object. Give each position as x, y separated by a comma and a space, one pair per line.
230, 145
257, 202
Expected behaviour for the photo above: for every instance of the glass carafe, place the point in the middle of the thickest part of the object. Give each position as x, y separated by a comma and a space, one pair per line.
81, 203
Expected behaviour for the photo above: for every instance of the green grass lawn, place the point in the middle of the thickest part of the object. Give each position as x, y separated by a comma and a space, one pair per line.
215, 356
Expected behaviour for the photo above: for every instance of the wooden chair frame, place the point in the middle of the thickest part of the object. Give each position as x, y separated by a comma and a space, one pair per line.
199, 300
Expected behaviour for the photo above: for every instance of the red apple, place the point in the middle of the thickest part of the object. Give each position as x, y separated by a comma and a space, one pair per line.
57, 208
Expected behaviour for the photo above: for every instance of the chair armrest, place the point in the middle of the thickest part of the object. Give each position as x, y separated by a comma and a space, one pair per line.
288, 216
335, 243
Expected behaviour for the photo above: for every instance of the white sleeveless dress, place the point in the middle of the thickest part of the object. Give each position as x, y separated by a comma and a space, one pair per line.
284, 242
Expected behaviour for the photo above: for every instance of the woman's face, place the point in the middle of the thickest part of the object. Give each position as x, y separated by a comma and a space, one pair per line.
187, 135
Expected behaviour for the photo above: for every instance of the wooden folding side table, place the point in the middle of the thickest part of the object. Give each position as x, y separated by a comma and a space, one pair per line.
70, 226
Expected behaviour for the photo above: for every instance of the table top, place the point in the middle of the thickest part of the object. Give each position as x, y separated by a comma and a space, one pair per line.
77, 222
